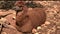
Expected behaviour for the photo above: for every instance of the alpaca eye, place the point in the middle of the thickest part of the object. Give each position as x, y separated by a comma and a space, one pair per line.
13, 18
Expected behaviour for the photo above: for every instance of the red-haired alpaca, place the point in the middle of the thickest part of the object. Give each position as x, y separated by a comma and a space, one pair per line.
30, 19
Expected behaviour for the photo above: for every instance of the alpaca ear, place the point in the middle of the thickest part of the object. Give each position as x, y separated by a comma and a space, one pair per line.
25, 8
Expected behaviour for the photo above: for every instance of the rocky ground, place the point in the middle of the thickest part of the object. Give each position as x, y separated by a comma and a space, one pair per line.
51, 26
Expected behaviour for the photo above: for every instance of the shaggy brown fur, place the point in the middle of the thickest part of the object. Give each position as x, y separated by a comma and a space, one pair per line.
30, 19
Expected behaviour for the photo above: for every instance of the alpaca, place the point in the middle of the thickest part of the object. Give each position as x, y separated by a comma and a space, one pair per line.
30, 18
